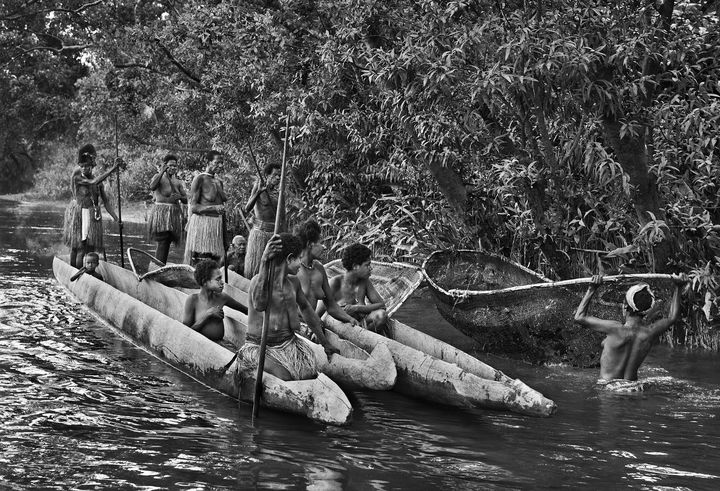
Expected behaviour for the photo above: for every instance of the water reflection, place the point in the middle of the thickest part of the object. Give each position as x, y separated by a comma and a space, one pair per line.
82, 408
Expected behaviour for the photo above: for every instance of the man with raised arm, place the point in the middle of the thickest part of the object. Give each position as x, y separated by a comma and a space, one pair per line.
263, 201
166, 222
204, 310
286, 357
83, 230
629, 342
355, 292
205, 235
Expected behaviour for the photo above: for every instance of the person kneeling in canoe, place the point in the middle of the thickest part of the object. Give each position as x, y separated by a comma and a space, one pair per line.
287, 357
312, 275
629, 342
204, 310
355, 293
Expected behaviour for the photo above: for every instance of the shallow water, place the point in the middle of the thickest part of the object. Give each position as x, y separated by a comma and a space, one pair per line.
82, 408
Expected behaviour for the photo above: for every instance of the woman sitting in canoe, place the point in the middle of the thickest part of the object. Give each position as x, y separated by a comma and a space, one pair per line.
355, 292
204, 310
312, 275
287, 357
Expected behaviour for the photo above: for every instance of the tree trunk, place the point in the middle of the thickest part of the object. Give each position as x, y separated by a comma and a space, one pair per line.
631, 153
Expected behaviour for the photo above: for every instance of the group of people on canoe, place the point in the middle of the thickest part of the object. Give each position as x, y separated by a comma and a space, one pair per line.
288, 281
300, 287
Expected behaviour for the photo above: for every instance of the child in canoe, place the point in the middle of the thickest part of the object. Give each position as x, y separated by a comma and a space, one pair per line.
355, 293
287, 357
629, 342
90, 263
204, 310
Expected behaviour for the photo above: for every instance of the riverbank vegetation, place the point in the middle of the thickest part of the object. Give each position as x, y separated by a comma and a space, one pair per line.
562, 134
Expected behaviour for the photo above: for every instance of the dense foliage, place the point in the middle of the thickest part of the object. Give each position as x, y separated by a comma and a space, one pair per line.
565, 134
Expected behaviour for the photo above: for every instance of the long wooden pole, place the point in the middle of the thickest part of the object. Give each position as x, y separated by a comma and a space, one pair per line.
257, 167
224, 237
279, 212
120, 223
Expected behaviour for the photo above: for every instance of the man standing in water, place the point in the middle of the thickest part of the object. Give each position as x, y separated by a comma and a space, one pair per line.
627, 344
312, 275
355, 293
83, 230
166, 221
287, 357
205, 234
204, 310
263, 201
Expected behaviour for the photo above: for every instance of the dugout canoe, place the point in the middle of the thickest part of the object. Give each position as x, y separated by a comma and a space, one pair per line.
146, 266
427, 368
511, 310
354, 368
169, 340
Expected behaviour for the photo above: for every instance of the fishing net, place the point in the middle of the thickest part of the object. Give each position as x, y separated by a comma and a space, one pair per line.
146, 266
512, 310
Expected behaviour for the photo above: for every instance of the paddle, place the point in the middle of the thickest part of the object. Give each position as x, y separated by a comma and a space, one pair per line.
270, 280
77, 275
120, 223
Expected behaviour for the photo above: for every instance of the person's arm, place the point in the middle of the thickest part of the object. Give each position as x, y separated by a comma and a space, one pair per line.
310, 317
376, 301
221, 191
254, 195
585, 320
659, 327
155, 181
330, 302
180, 187
108, 204
334, 288
189, 314
84, 181
234, 304
258, 286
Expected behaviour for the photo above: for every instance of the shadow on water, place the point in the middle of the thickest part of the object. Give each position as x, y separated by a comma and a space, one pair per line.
83, 408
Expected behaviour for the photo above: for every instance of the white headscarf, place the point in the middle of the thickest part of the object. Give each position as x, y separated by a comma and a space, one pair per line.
630, 296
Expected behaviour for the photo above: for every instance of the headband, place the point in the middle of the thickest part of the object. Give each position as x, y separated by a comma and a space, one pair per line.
633, 290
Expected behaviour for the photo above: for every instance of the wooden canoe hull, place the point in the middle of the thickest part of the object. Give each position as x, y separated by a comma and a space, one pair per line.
525, 315
192, 353
430, 369
355, 369
427, 377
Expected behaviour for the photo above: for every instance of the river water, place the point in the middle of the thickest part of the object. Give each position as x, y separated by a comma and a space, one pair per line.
82, 408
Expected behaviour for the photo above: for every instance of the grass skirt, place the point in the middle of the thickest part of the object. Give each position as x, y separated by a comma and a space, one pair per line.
257, 241
204, 235
72, 228
166, 218
294, 355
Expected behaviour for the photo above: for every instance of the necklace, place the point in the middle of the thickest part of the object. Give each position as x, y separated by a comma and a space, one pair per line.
306, 266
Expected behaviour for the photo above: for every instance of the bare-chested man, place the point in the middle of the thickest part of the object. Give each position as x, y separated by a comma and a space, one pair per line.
312, 275
627, 344
205, 234
166, 222
286, 357
83, 230
263, 201
204, 310
355, 292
